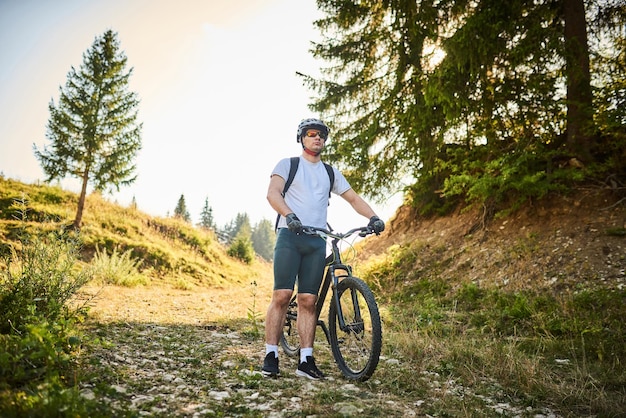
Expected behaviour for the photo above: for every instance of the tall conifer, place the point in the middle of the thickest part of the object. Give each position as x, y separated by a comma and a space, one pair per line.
93, 130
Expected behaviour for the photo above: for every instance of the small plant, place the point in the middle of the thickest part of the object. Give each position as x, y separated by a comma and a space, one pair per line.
182, 284
118, 269
616, 232
253, 314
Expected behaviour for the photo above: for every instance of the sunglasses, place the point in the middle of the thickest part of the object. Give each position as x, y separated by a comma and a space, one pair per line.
313, 134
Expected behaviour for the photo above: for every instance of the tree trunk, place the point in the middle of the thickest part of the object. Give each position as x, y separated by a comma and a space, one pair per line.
579, 96
81, 200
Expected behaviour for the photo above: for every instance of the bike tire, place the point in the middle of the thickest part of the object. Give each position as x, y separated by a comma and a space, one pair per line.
290, 339
356, 349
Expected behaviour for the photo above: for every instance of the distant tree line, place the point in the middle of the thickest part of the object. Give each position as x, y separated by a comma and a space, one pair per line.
243, 239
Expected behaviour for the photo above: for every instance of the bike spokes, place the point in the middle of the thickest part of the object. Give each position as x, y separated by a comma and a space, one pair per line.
290, 340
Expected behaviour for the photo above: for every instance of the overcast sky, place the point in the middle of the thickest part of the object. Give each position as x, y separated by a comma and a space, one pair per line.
220, 101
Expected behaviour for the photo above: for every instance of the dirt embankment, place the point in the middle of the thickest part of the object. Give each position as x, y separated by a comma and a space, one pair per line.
561, 242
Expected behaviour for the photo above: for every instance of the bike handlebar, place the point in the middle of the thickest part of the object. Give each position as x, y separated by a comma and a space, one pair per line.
362, 230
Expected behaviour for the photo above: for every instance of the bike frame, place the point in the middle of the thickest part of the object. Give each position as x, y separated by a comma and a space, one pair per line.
333, 264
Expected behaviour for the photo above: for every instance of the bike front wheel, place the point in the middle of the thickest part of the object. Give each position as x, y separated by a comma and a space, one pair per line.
356, 340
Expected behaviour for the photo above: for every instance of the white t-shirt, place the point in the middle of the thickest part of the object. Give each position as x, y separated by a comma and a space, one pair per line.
308, 194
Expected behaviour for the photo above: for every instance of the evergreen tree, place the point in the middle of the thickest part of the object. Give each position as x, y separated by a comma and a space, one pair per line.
227, 232
465, 98
181, 210
263, 239
241, 248
239, 226
93, 130
206, 216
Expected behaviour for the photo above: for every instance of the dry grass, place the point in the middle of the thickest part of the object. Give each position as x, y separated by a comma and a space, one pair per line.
168, 305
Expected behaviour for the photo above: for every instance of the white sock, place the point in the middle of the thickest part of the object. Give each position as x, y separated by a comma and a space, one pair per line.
271, 349
304, 353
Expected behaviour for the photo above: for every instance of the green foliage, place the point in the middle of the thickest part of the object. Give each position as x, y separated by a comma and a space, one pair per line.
93, 130
206, 216
51, 399
254, 316
263, 239
471, 102
180, 211
238, 226
242, 249
39, 340
39, 279
39, 352
480, 176
117, 269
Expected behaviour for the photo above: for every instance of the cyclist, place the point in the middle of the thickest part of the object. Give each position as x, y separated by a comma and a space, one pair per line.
299, 256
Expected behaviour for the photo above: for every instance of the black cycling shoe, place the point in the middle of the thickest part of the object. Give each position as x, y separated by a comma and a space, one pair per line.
309, 370
270, 366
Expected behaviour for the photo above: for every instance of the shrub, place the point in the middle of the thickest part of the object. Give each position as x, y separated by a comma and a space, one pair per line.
118, 269
39, 341
242, 249
39, 280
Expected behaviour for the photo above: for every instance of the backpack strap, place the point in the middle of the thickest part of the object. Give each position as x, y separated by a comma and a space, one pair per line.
331, 176
293, 167
295, 161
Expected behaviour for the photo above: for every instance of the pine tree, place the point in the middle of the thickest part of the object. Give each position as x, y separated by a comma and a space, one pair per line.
206, 216
239, 226
93, 130
242, 249
263, 239
464, 98
181, 210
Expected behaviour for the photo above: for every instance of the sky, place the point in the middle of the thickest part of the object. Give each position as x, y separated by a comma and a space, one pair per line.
219, 97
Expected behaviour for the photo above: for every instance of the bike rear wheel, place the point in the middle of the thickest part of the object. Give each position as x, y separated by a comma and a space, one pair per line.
356, 347
290, 340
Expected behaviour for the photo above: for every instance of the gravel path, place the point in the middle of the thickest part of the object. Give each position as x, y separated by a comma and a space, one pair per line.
156, 357
183, 370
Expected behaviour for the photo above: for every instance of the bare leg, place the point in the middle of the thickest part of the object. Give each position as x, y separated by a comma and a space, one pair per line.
275, 318
307, 320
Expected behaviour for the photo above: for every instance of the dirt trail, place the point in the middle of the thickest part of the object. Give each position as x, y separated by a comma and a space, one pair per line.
173, 353
180, 353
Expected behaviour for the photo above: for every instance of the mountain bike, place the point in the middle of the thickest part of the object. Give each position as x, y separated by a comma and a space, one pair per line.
354, 329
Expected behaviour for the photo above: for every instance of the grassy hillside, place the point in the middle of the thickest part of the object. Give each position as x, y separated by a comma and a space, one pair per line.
557, 244
165, 250
482, 315
533, 302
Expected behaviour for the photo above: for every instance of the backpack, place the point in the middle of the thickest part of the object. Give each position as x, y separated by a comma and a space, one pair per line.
295, 161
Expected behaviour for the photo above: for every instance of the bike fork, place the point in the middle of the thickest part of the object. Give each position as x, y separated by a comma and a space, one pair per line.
357, 312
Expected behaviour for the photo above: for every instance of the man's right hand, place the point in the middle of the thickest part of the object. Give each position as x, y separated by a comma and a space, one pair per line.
376, 224
293, 223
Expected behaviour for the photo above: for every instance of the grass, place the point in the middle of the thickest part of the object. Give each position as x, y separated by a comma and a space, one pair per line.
178, 326
44, 267
561, 350
170, 250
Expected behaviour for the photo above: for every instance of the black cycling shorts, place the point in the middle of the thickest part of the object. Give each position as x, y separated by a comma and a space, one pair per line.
299, 257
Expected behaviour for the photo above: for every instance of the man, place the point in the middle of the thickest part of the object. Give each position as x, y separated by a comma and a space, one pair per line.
300, 256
